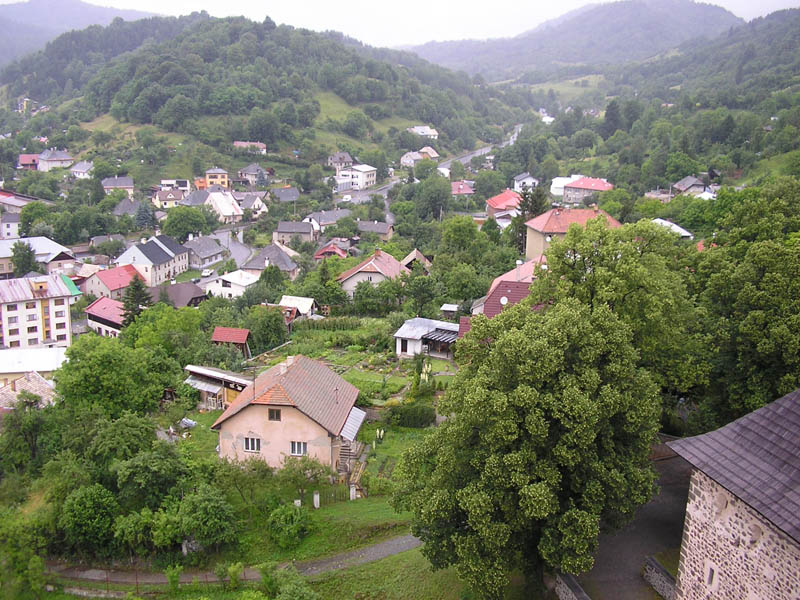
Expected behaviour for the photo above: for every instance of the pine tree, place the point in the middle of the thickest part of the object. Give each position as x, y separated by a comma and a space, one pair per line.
135, 300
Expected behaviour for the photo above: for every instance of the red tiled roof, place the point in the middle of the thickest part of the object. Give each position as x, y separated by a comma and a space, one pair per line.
590, 183
380, 262
230, 335
327, 250
512, 291
311, 387
118, 277
461, 188
108, 309
525, 273
505, 200
28, 159
558, 220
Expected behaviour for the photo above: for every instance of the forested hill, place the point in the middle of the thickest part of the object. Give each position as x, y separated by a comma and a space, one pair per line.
606, 33
739, 69
27, 26
68, 62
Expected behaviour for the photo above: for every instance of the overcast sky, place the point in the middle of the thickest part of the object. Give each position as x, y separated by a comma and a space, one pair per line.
392, 23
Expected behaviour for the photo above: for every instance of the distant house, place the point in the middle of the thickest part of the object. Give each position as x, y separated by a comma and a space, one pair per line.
383, 230
31, 382
19, 361
82, 169
689, 185
741, 533
217, 388
305, 307
159, 259
426, 336
254, 201
682, 233
126, 206
196, 198
333, 249
230, 285
503, 294
217, 176
505, 200
225, 206
424, 131
362, 176
54, 159
558, 183
9, 226
166, 199
323, 219
255, 147
416, 257
555, 223
110, 283
125, 184
525, 181
204, 251
576, 191
55, 257
277, 255
429, 153
96, 240
288, 230
299, 407
461, 189
180, 294
340, 160
285, 194
252, 174
374, 269
410, 159
13, 202
105, 316
232, 336
504, 218
176, 184
28, 162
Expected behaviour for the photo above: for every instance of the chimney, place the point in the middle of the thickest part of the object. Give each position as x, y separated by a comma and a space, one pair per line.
519, 266
191, 237
266, 262
13, 385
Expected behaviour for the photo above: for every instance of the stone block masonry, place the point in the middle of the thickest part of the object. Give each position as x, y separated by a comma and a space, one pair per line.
568, 588
659, 578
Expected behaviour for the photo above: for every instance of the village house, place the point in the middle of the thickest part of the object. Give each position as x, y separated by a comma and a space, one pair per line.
125, 184
110, 283
53, 159
525, 181
362, 176
426, 336
461, 189
424, 131
9, 226
410, 159
181, 294
429, 153
741, 533
82, 169
374, 269
585, 187
13, 202
335, 248
204, 251
285, 194
506, 200
31, 382
225, 207
277, 255
253, 174
252, 147
28, 162
126, 206
306, 307
416, 257
288, 230
166, 199
218, 388
554, 224
253, 201
105, 316
217, 176
558, 183
689, 185
323, 219
340, 160
384, 231
16, 362
299, 407
159, 259
230, 285
232, 336
35, 312
55, 257
675, 228
176, 184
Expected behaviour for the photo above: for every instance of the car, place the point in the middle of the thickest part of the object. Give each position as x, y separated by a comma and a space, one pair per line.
196, 280
207, 273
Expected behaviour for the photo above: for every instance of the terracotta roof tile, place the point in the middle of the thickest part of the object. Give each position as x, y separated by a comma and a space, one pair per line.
590, 183
558, 220
379, 262
230, 335
505, 200
118, 277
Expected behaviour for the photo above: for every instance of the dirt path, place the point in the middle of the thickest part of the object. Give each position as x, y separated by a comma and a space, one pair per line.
371, 553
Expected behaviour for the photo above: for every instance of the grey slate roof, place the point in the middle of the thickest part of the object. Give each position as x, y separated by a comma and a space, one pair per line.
99, 239
217, 171
171, 244
52, 154
117, 182
378, 227
253, 169
204, 246
276, 257
9, 217
154, 253
329, 217
295, 227
196, 198
756, 458
126, 207
247, 199
180, 294
289, 194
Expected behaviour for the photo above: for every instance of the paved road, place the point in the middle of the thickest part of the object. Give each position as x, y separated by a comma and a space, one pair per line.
465, 159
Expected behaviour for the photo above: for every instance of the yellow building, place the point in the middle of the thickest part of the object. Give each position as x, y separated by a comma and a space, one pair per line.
217, 176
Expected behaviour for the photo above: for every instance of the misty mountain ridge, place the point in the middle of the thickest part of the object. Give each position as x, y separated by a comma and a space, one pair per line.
613, 33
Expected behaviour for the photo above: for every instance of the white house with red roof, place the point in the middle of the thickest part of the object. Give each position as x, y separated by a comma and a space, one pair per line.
374, 269
555, 223
110, 283
105, 316
461, 189
506, 200
576, 191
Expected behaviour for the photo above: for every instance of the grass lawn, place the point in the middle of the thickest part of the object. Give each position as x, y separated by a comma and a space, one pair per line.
570, 89
372, 383
187, 275
202, 441
440, 365
669, 559
779, 164
396, 440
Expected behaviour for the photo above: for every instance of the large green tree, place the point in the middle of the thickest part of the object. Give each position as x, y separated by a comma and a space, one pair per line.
183, 220
538, 452
23, 259
135, 299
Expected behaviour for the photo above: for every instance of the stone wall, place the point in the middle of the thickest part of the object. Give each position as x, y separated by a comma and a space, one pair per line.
568, 588
659, 578
730, 552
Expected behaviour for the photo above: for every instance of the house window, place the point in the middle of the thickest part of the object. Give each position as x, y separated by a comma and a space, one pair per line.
33, 329
12, 320
14, 344
13, 332
299, 448
61, 337
30, 305
59, 302
11, 307
226, 283
252, 444
61, 325
274, 414
32, 317
59, 313
33, 342
710, 577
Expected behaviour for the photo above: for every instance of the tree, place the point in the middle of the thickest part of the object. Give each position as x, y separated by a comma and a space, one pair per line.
146, 478
457, 170
183, 220
20, 444
420, 289
492, 230
23, 259
135, 299
145, 216
32, 213
432, 197
489, 183
425, 168
300, 474
267, 328
613, 119
87, 519
207, 517
119, 439
521, 475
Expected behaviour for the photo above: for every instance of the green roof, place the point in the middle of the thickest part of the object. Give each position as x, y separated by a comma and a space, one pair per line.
71, 285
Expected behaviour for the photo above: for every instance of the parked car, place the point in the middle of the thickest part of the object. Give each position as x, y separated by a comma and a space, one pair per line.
207, 273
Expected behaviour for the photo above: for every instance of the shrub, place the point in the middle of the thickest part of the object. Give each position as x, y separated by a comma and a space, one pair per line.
221, 571
288, 524
413, 415
235, 575
173, 573
269, 579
